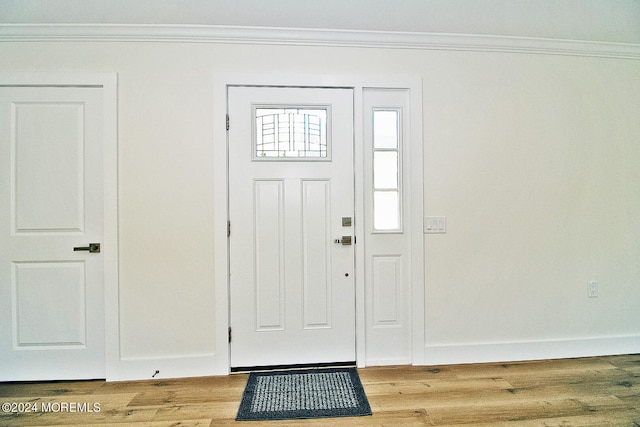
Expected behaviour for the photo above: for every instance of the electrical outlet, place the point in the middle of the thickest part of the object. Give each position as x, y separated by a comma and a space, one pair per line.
592, 289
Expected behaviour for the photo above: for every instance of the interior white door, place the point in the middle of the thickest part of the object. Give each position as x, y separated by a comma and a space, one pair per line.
292, 297
51, 201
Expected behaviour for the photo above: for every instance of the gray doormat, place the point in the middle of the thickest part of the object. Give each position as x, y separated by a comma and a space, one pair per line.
313, 393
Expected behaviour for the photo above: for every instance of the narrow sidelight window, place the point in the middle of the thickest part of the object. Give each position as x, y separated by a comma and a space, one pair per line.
386, 170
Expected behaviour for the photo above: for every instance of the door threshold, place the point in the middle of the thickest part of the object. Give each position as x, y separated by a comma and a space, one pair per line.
267, 368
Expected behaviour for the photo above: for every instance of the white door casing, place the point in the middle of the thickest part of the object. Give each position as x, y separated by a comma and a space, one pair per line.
291, 285
51, 190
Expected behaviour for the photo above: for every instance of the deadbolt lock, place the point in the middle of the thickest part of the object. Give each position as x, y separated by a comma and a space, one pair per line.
345, 240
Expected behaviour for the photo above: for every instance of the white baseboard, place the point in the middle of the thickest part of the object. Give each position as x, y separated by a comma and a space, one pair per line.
127, 369
532, 350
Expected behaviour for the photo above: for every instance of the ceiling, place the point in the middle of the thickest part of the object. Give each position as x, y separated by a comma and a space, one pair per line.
587, 20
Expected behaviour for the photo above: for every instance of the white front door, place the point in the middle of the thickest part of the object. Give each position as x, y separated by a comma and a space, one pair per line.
291, 201
51, 201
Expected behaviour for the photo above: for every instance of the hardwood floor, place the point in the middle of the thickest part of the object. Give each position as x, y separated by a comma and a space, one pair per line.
602, 391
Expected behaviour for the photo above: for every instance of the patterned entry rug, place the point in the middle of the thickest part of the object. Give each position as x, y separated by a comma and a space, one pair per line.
313, 393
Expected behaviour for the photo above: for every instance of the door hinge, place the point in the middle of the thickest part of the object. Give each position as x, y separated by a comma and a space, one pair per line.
229, 333
227, 122
228, 228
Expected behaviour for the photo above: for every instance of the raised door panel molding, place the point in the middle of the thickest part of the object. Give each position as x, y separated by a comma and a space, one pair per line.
48, 149
387, 291
269, 254
316, 253
49, 305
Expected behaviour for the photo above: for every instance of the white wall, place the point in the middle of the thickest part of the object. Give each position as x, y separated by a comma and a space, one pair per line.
532, 158
595, 20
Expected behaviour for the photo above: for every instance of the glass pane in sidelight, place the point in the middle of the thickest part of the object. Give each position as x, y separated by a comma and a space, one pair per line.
385, 129
385, 170
386, 216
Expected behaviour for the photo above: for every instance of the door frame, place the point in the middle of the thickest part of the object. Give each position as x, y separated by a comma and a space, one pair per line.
108, 82
358, 84
294, 332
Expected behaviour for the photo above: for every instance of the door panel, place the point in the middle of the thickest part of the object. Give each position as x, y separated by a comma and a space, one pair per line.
48, 142
51, 200
316, 253
292, 297
268, 223
49, 304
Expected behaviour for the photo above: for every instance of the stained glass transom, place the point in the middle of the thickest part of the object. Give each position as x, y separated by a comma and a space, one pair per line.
291, 133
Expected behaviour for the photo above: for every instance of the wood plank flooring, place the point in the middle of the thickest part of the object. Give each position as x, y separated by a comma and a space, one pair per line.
601, 391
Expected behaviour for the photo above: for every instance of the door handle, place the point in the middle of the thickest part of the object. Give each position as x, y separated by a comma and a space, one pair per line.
345, 240
93, 248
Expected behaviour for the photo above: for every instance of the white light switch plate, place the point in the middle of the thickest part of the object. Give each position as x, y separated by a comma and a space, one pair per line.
435, 224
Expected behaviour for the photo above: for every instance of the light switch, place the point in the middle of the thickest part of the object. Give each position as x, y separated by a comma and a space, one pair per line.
435, 224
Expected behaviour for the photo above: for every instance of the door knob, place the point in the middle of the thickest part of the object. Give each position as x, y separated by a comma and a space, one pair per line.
93, 248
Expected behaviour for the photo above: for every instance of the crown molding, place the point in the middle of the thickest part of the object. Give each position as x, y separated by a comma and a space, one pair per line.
312, 37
